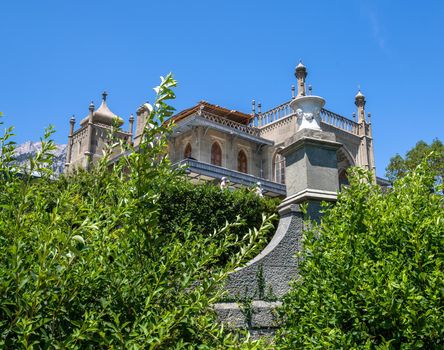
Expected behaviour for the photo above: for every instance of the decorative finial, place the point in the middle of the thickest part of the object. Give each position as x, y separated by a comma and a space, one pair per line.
354, 116
73, 119
292, 91
131, 118
91, 106
259, 108
310, 89
253, 106
369, 118
300, 66
104, 95
359, 95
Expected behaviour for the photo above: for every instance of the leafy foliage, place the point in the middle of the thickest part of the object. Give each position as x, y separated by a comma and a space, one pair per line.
399, 166
84, 263
372, 272
206, 208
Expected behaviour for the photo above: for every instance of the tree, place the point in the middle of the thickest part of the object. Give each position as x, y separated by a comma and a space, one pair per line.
83, 263
399, 166
372, 271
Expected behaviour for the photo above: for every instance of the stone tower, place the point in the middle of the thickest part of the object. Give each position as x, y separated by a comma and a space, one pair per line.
86, 144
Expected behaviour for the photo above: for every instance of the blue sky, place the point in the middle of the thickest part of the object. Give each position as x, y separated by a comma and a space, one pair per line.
57, 56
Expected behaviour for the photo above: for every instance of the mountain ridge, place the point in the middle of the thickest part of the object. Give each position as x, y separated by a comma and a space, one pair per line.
28, 149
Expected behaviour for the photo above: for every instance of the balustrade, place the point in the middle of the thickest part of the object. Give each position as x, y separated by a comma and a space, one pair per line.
284, 110
229, 123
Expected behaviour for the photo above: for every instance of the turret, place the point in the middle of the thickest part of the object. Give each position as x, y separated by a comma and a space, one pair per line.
360, 103
301, 73
366, 152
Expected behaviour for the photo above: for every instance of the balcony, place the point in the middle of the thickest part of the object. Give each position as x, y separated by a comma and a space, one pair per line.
208, 172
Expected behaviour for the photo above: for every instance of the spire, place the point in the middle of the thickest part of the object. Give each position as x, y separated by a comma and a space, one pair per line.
104, 95
360, 103
301, 73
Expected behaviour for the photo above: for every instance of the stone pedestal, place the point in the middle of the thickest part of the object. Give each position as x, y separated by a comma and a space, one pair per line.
311, 169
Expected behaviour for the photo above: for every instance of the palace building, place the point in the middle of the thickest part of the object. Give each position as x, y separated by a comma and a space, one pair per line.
215, 142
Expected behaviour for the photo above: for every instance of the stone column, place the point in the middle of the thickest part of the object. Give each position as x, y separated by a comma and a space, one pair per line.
72, 122
89, 139
311, 169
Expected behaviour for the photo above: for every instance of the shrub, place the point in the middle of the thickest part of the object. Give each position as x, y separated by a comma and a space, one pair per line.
83, 263
372, 272
207, 209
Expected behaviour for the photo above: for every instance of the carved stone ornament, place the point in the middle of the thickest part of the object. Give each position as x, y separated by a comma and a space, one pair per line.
307, 110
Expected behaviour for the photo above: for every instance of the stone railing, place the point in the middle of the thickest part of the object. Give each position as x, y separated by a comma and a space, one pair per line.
274, 114
229, 123
105, 131
79, 134
282, 111
236, 178
100, 129
338, 121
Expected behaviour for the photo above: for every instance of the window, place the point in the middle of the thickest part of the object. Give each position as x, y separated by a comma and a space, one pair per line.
279, 168
242, 164
216, 154
187, 152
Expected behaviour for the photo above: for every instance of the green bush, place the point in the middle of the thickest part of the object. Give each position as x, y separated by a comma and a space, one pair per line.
372, 272
207, 209
84, 263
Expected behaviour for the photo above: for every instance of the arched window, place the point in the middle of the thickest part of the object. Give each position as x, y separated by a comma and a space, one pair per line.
187, 152
216, 154
242, 164
279, 168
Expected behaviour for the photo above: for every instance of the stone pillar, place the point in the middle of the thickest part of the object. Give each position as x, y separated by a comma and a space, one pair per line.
311, 170
130, 130
363, 148
142, 116
89, 139
301, 73
72, 122
371, 151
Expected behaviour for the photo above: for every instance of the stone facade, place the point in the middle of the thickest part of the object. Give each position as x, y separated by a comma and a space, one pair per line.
232, 143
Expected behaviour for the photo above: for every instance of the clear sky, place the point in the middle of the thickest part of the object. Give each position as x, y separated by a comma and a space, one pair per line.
58, 55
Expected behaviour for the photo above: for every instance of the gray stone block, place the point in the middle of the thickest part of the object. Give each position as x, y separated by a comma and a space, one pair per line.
260, 315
